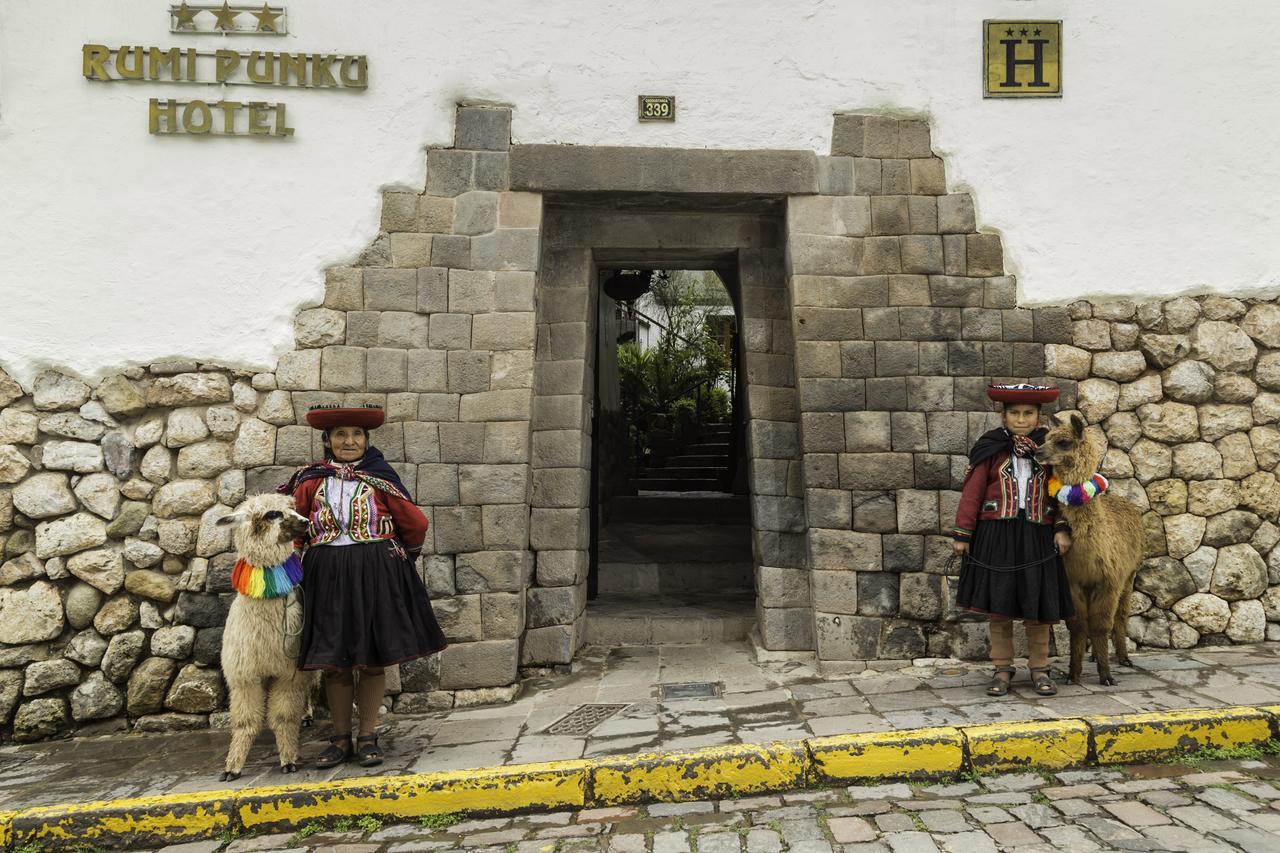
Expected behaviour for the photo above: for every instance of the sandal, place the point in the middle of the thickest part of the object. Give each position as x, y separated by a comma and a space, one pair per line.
1043, 682
338, 751
1000, 686
367, 752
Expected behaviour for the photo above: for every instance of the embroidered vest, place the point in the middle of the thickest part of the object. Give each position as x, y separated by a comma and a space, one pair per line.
366, 524
1037, 493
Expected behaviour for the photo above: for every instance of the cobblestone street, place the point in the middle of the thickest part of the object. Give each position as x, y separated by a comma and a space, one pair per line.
1217, 806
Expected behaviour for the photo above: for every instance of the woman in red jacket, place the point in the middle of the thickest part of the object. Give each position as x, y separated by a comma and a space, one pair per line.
1012, 538
365, 607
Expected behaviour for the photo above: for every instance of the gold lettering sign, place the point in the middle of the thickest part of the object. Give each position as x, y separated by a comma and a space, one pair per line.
225, 67
1022, 59
221, 20
657, 108
217, 118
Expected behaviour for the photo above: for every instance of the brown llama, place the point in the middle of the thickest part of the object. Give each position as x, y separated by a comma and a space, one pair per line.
259, 643
1107, 543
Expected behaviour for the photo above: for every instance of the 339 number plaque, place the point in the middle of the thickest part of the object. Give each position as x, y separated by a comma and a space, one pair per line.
657, 108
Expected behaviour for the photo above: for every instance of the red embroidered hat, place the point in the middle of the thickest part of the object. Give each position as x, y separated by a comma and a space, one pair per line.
1022, 393
326, 417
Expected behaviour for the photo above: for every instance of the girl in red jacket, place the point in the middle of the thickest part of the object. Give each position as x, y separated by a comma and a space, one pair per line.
1011, 537
365, 606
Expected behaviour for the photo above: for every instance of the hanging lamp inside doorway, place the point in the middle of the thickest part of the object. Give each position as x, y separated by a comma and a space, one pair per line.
624, 286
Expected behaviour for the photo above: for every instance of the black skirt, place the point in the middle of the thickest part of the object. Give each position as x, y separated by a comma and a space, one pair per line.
364, 606
1037, 592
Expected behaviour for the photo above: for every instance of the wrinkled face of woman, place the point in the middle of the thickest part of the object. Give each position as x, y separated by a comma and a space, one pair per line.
347, 443
1021, 418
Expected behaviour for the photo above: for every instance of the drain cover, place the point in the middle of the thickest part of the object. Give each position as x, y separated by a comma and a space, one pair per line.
583, 719
690, 690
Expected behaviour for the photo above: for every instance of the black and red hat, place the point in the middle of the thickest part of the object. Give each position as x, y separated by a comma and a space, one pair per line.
1022, 393
327, 417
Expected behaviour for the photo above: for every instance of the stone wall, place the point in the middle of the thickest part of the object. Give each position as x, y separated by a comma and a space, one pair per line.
867, 350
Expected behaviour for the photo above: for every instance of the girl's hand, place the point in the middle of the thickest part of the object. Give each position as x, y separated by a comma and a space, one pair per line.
1062, 540
961, 548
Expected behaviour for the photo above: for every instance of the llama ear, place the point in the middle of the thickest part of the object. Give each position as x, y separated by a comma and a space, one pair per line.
233, 518
1077, 425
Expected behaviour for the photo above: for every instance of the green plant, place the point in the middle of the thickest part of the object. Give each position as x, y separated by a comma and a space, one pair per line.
343, 824
228, 835
438, 821
309, 829
369, 823
1253, 751
30, 847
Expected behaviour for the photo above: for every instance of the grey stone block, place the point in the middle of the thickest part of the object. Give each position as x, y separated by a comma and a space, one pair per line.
835, 176
922, 254
955, 255
844, 550
923, 210
844, 637
458, 530
773, 439
462, 442
928, 176
566, 448
903, 552
890, 215
933, 358
548, 168
515, 290
832, 395
502, 615
895, 176
468, 371
459, 618
782, 587
913, 138
866, 176
828, 508
908, 290
828, 324
558, 529
433, 290
956, 291
929, 324
492, 571
1001, 292
484, 128
493, 484
897, 358
386, 370
887, 394
877, 594
780, 549
493, 171
506, 441
342, 368
834, 592
867, 432
402, 329
554, 644
786, 628
561, 487
955, 214
450, 331
422, 444
948, 432
880, 324
1018, 325
870, 471
880, 256
343, 288
997, 359
970, 395
965, 358
553, 605
857, 359
777, 512
390, 289
508, 249
917, 511
362, 328
822, 432
438, 407
560, 412
471, 291
841, 291
815, 254
449, 173
859, 135
909, 432
1028, 359
982, 324
821, 471
929, 393
491, 663
561, 568
451, 250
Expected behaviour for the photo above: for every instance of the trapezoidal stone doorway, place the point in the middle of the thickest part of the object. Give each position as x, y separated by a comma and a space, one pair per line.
669, 565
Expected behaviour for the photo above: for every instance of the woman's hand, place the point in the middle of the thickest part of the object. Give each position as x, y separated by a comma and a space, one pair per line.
961, 548
1062, 541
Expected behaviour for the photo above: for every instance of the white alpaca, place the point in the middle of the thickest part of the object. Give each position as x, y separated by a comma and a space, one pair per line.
260, 641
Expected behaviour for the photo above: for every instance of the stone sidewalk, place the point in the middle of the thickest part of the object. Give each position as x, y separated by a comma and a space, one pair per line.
752, 701
1218, 807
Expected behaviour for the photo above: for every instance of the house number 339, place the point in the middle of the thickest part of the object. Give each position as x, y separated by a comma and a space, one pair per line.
657, 108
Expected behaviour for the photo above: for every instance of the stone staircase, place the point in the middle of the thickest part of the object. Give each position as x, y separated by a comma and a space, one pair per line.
701, 467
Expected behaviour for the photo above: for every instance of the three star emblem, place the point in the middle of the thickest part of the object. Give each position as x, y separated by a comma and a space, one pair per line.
225, 18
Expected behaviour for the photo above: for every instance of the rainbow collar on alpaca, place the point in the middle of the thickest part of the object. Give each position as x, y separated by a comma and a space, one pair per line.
1078, 494
267, 581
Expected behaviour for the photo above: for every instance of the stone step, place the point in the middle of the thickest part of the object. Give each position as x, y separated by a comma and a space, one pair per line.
715, 460
674, 578
702, 472
674, 484
709, 449
670, 620
662, 509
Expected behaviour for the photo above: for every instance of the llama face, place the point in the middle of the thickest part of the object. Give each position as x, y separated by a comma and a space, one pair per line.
268, 520
1063, 443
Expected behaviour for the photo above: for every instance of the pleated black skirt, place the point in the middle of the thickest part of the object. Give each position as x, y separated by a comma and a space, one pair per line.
364, 606
1036, 592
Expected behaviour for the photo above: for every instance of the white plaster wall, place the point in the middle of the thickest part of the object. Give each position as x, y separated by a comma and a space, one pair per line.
1156, 173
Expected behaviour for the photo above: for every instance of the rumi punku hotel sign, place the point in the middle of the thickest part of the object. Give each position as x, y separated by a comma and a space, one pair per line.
222, 67
1022, 59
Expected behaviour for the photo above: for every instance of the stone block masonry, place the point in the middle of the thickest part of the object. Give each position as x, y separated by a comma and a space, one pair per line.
872, 320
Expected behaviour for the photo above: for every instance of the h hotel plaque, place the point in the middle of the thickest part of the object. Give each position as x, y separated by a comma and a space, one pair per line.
1022, 59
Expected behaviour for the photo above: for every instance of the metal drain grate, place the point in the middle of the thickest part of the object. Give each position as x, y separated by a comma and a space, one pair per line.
581, 720
691, 690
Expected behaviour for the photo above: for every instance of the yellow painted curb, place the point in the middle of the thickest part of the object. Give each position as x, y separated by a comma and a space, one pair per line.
710, 773
1051, 744
913, 753
141, 821
496, 790
6, 828
1140, 737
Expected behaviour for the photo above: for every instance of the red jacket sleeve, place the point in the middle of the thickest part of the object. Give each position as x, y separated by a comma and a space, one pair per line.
971, 494
411, 524
303, 496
